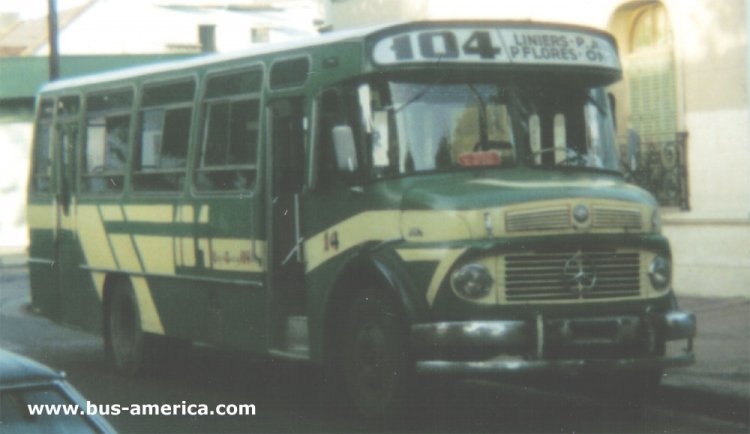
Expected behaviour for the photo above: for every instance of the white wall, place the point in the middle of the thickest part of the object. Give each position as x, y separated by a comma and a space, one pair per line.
141, 27
357, 13
14, 165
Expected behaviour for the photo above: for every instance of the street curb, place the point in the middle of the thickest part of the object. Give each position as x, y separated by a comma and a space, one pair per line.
705, 402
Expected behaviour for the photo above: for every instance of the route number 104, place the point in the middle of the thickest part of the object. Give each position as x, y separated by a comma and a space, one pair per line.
444, 44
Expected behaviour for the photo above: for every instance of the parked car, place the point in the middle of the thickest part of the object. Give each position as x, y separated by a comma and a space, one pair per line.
27, 386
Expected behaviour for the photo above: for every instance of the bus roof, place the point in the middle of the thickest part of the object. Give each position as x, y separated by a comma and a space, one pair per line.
203, 60
360, 34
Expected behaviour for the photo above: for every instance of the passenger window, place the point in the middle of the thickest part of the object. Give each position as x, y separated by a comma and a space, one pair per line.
289, 73
161, 154
42, 167
229, 152
106, 146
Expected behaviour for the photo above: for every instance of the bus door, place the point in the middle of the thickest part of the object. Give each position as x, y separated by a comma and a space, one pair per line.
42, 214
67, 257
286, 144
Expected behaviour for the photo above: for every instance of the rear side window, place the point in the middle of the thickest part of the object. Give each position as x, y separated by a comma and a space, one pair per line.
228, 153
41, 170
163, 135
107, 143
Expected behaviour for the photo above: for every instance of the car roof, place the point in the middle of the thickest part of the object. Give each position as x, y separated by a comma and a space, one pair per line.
16, 370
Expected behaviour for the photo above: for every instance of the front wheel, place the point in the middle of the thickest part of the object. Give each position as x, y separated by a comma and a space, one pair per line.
376, 366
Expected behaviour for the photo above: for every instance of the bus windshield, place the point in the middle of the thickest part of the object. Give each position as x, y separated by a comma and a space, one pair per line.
417, 126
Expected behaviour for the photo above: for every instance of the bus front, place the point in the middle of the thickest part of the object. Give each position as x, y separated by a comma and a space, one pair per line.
526, 250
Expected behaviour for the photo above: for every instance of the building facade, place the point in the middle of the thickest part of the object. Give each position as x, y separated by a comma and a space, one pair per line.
100, 35
682, 109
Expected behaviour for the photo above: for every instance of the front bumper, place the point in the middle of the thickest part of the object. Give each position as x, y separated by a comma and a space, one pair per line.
554, 345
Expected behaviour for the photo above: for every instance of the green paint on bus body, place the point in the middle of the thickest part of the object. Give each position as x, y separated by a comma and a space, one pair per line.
211, 282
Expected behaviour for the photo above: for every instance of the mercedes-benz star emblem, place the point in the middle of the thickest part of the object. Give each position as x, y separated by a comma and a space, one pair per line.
580, 275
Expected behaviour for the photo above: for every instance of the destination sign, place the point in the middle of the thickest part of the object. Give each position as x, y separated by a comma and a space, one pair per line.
516, 45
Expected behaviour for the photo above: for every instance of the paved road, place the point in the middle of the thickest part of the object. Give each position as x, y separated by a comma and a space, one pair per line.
294, 398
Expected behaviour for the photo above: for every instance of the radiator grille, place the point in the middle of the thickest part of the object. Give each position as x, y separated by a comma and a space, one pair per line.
604, 217
558, 218
544, 276
538, 220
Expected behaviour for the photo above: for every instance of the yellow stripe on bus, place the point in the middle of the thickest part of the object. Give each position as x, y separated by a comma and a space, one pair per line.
93, 238
125, 253
149, 213
204, 215
157, 253
186, 214
150, 320
450, 257
41, 216
112, 213
367, 226
99, 277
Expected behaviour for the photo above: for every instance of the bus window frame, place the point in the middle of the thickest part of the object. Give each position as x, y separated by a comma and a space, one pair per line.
133, 118
59, 167
50, 172
292, 86
135, 149
349, 179
201, 108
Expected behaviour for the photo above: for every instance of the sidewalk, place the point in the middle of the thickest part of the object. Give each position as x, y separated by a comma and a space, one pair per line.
720, 379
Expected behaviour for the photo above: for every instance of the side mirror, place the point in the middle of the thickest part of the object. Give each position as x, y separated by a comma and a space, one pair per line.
346, 151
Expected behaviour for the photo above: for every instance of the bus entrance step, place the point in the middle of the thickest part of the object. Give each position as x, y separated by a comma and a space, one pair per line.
296, 343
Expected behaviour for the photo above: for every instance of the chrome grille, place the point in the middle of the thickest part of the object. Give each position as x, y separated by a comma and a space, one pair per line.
538, 220
605, 217
543, 276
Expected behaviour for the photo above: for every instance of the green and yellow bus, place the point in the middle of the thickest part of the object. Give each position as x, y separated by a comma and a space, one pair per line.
413, 199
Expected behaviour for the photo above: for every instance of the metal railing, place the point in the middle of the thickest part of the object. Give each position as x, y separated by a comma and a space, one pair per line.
659, 165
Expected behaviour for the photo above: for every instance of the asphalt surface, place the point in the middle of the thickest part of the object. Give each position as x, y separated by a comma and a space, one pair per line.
711, 396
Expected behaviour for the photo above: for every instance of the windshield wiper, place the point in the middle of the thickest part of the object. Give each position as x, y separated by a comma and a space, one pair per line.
483, 133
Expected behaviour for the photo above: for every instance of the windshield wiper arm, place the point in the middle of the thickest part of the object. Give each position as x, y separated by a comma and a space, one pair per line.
483, 129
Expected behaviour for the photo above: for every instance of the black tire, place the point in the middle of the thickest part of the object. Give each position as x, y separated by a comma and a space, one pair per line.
375, 363
127, 346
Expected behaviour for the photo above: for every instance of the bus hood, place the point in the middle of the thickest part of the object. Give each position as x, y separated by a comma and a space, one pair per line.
471, 207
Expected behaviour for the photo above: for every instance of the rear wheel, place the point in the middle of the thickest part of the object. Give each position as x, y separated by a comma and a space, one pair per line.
375, 362
126, 344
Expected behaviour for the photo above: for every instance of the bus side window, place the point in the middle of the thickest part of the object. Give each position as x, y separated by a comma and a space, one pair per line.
227, 158
42, 166
106, 145
164, 131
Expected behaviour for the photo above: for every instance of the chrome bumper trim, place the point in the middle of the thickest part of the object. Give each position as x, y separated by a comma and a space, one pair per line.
482, 347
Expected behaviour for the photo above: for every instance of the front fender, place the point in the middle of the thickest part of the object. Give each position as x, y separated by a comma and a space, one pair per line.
360, 271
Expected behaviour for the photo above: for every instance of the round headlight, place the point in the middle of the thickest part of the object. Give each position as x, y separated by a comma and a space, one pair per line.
656, 222
472, 281
660, 272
